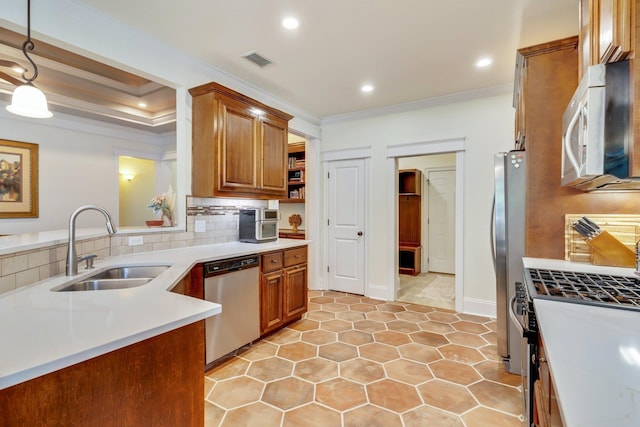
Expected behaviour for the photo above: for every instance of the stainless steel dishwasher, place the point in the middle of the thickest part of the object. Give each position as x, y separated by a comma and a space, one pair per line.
232, 282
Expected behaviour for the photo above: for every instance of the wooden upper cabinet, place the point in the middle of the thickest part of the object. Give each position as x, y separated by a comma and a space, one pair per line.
239, 145
606, 29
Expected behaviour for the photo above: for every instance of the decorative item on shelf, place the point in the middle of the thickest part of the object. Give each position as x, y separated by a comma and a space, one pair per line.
154, 222
294, 221
163, 204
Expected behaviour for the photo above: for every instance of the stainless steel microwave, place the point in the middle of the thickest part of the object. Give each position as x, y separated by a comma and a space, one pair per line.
595, 131
257, 225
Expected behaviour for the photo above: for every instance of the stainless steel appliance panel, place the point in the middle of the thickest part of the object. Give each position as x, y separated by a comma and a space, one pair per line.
508, 249
233, 283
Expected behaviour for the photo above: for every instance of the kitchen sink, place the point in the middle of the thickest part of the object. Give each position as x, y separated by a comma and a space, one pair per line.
115, 278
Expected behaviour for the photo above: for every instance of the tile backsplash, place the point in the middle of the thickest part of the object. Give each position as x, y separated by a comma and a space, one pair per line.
220, 218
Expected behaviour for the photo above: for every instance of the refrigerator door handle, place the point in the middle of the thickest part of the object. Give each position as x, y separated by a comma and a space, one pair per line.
492, 228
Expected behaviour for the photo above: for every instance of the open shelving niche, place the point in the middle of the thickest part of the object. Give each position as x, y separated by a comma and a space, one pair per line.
409, 221
296, 174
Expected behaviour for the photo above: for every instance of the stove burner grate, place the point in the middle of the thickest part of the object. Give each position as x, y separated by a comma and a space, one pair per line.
587, 287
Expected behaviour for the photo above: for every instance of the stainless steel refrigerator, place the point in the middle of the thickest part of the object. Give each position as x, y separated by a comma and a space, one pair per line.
507, 238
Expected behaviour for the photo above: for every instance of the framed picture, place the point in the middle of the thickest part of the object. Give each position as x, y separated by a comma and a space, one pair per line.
18, 179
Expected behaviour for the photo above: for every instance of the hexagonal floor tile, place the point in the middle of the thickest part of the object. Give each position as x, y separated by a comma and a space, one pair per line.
229, 369
378, 352
371, 416
436, 327
304, 325
450, 397
419, 353
419, 308
319, 337
312, 415
340, 394
393, 395
490, 352
363, 308
443, 316
466, 339
428, 416
474, 328
236, 392
288, 393
428, 338
355, 337
348, 300
488, 417
297, 351
390, 307
392, 338
381, 316
316, 370
497, 396
270, 369
261, 350
461, 353
495, 371
284, 336
321, 300
369, 326
336, 325
350, 316
338, 352
213, 414
408, 371
320, 315
335, 307
362, 371
456, 372
402, 326
411, 316
253, 415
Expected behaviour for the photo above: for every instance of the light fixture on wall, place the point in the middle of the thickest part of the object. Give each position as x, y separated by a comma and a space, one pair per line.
28, 100
127, 175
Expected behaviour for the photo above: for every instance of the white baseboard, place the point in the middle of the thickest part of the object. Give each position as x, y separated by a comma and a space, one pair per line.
479, 307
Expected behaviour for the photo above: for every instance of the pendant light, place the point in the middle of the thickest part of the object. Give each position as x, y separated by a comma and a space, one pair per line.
28, 100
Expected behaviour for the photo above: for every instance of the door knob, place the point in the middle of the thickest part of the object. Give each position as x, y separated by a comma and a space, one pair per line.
360, 233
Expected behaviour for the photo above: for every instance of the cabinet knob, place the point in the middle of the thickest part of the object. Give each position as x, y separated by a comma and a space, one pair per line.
297, 256
360, 233
274, 261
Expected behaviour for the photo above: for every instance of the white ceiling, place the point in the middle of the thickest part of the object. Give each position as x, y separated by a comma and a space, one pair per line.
408, 49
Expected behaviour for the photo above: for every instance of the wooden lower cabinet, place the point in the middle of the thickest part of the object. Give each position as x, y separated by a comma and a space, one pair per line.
155, 382
546, 410
283, 288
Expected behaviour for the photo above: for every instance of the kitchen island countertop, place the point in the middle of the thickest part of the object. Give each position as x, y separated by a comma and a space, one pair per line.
594, 359
42, 331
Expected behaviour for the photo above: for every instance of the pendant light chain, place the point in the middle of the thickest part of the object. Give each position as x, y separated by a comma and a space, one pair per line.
28, 44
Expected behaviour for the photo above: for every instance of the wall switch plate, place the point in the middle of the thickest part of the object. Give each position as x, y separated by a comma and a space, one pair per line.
200, 226
136, 240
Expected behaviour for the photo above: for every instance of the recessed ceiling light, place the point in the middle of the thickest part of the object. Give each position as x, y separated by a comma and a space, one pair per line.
142, 104
484, 62
366, 88
290, 23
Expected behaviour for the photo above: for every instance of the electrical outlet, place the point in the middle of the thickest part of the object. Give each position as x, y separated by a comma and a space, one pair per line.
136, 240
200, 226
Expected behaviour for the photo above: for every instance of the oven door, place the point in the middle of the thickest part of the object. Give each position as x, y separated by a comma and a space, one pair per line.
520, 308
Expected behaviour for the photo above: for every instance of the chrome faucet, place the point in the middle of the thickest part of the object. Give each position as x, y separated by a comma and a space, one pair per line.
72, 258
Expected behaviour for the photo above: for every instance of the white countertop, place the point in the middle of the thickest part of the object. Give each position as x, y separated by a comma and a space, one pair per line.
594, 359
556, 264
42, 331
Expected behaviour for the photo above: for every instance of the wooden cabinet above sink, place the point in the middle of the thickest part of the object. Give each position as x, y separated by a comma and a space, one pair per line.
239, 145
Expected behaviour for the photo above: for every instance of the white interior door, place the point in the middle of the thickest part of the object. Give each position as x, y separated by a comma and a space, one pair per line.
442, 190
346, 245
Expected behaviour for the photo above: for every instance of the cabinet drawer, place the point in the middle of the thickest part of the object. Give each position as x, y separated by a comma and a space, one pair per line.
295, 256
271, 262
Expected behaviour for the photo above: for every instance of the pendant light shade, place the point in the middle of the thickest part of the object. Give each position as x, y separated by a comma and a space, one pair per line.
28, 100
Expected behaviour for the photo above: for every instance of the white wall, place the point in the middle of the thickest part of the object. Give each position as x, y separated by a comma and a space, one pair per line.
487, 126
77, 166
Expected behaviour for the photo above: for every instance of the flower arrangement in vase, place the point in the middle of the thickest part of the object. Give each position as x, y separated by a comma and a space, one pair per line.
163, 204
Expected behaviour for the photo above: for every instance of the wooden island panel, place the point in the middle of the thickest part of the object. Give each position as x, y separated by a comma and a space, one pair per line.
155, 382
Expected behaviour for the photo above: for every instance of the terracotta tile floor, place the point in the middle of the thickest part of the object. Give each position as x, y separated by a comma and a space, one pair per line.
355, 361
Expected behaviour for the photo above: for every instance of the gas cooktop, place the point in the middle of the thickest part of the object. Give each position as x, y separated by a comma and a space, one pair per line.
586, 288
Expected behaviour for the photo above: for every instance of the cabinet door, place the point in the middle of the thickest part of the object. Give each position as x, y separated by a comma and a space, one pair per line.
295, 294
271, 295
273, 165
614, 29
237, 147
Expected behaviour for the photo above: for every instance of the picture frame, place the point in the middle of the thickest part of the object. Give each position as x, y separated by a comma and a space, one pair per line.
18, 179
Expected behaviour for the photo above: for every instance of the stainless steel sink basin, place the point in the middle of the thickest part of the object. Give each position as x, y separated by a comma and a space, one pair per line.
116, 278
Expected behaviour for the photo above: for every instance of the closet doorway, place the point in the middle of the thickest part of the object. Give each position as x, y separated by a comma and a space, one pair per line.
431, 280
